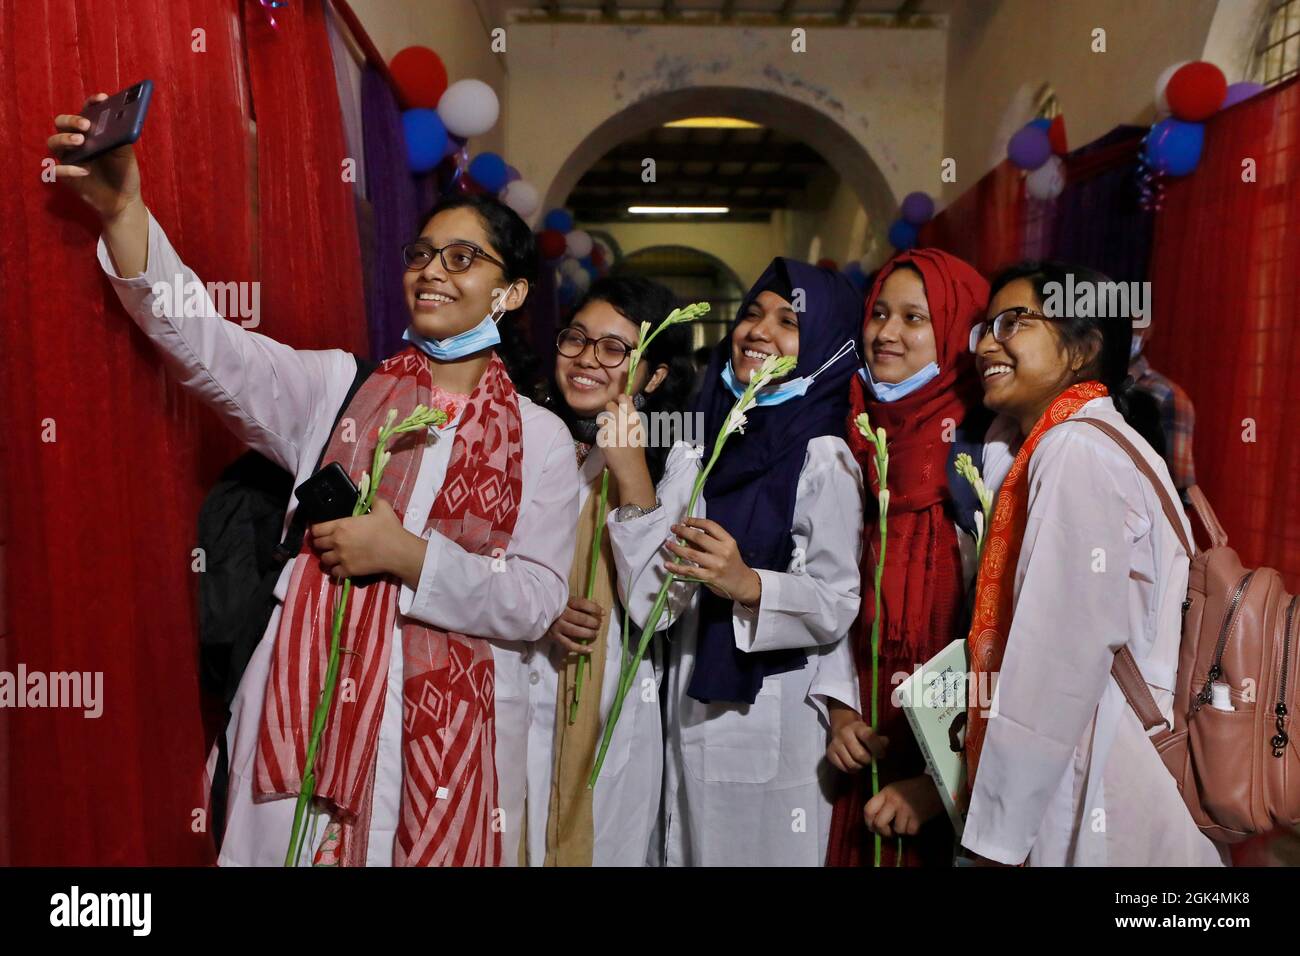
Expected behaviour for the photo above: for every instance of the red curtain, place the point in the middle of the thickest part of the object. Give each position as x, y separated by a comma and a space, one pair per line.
1225, 275
100, 520
986, 224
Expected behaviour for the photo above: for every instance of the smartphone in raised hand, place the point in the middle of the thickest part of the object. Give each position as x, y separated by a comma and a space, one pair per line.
116, 121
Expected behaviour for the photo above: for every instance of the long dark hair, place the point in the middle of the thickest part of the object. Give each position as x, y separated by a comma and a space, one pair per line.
1112, 333
639, 300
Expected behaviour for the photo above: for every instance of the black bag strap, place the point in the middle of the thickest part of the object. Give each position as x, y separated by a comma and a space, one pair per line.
292, 542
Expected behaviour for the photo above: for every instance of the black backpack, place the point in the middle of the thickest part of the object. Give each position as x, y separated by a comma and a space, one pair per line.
239, 532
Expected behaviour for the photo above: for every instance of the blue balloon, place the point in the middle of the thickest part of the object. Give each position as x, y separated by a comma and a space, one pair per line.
559, 220
902, 234
489, 170
426, 139
1042, 123
1174, 146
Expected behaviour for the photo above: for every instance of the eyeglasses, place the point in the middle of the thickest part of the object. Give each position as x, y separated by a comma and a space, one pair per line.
1004, 325
610, 350
456, 256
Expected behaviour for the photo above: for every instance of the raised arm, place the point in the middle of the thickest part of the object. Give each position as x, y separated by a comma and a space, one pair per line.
638, 543
268, 393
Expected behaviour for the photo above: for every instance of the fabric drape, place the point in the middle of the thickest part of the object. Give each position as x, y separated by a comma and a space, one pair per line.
105, 460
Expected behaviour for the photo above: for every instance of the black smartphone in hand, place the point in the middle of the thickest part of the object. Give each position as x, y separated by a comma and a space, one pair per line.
327, 495
116, 121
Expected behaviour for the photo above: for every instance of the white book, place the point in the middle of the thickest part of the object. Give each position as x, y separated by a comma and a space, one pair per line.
932, 698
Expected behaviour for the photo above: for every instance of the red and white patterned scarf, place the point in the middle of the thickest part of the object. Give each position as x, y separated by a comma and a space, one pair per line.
449, 790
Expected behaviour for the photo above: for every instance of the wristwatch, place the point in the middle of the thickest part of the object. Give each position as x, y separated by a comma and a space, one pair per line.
631, 512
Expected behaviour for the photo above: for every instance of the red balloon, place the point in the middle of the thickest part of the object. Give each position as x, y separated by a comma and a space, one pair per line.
827, 264
1196, 91
420, 76
597, 256
1056, 135
551, 243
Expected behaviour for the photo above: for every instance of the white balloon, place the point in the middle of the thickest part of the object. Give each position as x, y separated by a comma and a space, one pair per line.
1162, 104
578, 243
469, 108
1048, 180
582, 280
572, 267
522, 197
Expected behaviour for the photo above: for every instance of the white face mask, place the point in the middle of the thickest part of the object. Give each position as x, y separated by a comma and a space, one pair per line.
779, 392
480, 337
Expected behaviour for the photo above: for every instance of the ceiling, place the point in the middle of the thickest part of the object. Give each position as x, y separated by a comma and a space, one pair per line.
724, 11
751, 170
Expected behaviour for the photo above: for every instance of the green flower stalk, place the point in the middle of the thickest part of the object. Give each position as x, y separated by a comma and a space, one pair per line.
646, 336
773, 367
966, 468
420, 419
877, 439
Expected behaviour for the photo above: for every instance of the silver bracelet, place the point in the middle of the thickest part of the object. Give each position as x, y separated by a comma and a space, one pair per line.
631, 512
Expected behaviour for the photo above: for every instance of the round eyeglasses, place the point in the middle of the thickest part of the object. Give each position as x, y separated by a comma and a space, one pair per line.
456, 256
611, 351
1004, 325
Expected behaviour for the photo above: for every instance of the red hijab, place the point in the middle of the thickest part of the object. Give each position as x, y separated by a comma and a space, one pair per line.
922, 594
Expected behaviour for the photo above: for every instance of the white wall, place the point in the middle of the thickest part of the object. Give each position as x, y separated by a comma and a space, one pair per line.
869, 99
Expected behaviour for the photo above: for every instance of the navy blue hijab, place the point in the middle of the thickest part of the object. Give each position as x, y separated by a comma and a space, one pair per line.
751, 490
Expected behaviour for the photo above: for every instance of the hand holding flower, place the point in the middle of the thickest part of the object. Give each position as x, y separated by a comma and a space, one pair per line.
577, 626
714, 560
902, 807
853, 742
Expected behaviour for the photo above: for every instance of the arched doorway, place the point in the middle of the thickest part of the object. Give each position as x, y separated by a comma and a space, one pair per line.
790, 116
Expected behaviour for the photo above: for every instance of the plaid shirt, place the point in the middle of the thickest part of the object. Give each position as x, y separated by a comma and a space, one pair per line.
1177, 417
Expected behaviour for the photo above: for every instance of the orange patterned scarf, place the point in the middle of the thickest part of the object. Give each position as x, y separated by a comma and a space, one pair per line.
995, 590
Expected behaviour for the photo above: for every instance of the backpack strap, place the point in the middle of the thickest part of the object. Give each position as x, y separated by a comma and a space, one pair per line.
292, 543
1124, 668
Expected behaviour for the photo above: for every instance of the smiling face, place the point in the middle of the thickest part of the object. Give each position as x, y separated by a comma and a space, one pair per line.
770, 326
442, 303
587, 386
1022, 375
899, 335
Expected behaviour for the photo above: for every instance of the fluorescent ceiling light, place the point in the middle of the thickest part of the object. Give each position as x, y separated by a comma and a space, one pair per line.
713, 122
670, 210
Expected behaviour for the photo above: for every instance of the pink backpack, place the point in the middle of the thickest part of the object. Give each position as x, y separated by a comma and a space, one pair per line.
1238, 770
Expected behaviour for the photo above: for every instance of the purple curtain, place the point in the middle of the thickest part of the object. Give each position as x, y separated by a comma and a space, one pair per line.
392, 194
1097, 220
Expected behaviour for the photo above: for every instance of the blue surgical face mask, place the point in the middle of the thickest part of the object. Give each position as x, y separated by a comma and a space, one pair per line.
893, 391
482, 336
780, 392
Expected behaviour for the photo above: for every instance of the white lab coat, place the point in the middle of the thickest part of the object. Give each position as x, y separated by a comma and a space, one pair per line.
1067, 775
625, 801
281, 402
749, 785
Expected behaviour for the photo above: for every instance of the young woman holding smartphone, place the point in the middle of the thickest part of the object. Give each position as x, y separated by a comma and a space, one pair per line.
469, 543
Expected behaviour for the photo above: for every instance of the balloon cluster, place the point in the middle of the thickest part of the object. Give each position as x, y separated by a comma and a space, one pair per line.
1037, 148
579, 257
914, 212
443, 117
1187, 94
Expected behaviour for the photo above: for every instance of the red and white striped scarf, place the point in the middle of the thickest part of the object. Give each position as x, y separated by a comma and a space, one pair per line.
448, 730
